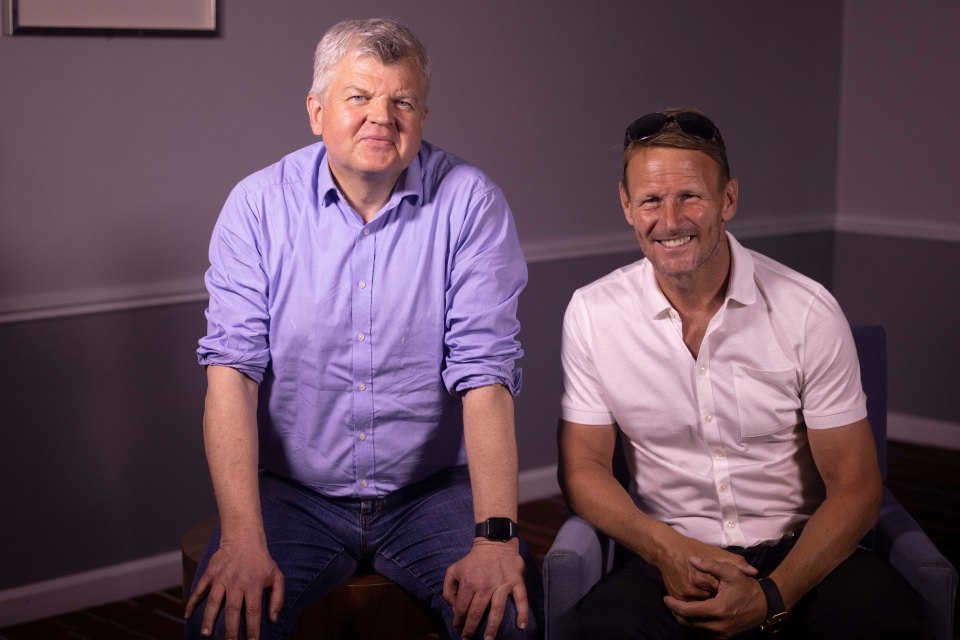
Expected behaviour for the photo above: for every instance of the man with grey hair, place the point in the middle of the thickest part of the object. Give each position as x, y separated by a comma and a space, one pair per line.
360, 363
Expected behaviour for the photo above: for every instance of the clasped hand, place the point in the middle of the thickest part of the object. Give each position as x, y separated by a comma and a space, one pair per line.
486, 576
735, 606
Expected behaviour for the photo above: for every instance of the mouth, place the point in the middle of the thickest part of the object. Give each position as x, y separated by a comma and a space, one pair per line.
374, 140
671, 243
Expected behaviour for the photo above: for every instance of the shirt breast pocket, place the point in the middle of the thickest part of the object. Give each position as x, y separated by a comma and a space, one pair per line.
768, 402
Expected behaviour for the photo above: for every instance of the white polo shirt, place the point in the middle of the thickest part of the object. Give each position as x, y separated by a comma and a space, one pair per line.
717, 445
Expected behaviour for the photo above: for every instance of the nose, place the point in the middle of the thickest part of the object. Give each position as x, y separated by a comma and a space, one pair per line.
380, 112
670, 213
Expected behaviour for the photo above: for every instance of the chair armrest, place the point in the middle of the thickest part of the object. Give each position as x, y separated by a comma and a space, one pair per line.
904, 544
571, 567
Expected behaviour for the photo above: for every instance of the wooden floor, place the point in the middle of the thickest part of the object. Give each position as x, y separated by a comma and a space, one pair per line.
925, 480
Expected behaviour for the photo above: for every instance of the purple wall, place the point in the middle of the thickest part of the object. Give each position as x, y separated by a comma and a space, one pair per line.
116, 154
897, 260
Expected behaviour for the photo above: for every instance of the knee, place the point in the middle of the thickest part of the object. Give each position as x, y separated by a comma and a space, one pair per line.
599, 619
882, 625
508, 625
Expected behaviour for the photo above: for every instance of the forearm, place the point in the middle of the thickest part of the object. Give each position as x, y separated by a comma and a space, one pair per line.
830, 536
595, 494
490, 437
230, 439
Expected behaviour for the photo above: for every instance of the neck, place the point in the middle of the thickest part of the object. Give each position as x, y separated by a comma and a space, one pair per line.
366, 194
701, 292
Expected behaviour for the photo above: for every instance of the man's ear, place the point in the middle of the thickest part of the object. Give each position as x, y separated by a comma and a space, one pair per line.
314, 107
625, 203
731, 196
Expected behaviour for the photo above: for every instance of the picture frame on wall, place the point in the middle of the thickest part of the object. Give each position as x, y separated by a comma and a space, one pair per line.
110, 17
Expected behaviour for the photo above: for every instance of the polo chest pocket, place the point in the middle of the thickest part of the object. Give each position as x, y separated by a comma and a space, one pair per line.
768, 402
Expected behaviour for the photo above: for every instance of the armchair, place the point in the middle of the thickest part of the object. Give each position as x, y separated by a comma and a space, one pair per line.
580, 555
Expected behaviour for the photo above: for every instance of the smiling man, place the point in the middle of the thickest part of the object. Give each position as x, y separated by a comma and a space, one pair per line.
734, 385
360, 363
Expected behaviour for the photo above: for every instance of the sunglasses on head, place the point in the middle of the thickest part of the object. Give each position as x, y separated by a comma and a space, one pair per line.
689, 122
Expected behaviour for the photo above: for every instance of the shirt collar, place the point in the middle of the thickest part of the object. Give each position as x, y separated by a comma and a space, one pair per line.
741, 287
409, 184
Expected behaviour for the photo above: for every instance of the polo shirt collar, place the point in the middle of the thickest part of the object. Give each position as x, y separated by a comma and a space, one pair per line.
741, 288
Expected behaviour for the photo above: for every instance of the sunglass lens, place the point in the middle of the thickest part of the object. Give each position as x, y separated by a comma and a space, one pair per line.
696, 125
644, 127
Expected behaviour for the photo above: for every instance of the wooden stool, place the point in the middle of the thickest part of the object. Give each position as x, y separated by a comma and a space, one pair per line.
365, 606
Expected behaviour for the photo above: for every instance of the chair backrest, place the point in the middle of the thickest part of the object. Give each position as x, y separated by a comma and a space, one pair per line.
872, 351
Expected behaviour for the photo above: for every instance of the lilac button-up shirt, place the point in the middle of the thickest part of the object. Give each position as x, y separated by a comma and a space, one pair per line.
362, 336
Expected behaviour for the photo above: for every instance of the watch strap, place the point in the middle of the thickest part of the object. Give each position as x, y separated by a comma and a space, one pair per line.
776, 611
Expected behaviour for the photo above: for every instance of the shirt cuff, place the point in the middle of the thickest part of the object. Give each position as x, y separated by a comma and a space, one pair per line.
836, 419
587, 417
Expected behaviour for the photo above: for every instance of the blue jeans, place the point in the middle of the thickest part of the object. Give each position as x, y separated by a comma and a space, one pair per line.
410, 536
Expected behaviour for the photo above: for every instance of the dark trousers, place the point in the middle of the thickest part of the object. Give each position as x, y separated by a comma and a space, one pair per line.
864, 597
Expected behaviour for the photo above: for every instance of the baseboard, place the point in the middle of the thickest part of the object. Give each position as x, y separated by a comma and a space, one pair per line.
538, 483
917, 430
89, 589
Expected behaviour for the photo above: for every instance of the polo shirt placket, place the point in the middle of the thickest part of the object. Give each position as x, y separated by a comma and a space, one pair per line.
710, 427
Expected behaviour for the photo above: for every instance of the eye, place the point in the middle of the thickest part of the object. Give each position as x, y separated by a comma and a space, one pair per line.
404, 104
356, 99
649, 202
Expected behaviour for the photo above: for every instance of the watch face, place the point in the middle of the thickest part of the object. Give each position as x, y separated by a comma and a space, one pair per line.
774, 623
500, 529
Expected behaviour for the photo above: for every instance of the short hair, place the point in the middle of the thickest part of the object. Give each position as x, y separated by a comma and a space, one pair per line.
673, 136
386, 39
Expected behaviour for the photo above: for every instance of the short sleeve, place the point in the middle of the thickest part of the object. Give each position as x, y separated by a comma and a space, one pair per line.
831, 390
583, 400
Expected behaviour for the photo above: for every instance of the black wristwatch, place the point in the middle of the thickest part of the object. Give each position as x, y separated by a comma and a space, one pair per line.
498, 529
777, 614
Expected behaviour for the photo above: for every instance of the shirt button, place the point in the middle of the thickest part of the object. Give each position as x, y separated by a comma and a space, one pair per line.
362, 284
708, 418
723, 487
362, 387
718, 453
361, 337
366, 231
364, 484
730, 523
702, 369
362, 436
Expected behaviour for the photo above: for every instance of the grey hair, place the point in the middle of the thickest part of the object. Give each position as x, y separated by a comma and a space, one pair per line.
386, 39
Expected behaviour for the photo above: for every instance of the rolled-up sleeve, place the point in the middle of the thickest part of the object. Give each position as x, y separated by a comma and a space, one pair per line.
487, 273
238, 319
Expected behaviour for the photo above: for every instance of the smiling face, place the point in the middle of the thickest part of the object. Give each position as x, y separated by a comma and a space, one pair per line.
678, 207
371, 120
